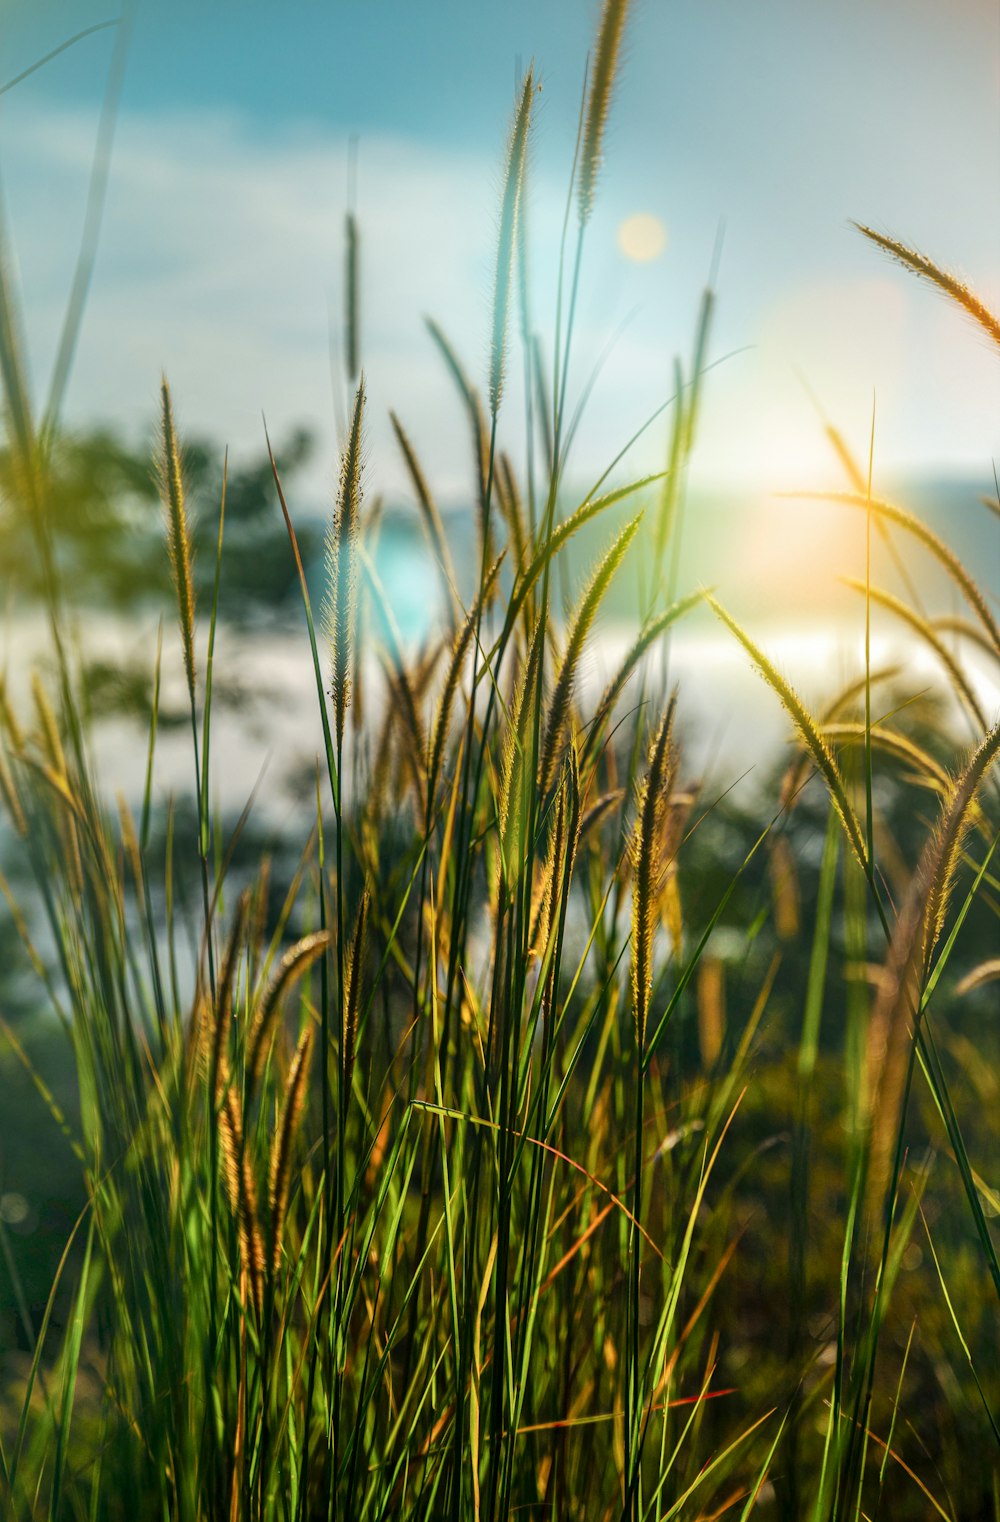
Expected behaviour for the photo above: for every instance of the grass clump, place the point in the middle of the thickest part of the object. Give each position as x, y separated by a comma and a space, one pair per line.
558, 1140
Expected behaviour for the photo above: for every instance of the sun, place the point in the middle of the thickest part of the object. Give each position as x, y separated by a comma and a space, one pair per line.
642, 237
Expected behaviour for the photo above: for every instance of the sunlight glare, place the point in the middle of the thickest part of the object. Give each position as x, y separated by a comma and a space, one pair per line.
642, 237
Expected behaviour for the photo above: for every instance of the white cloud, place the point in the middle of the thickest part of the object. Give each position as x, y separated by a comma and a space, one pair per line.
221, 258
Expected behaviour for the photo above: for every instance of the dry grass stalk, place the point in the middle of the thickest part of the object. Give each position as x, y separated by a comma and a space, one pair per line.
918, 929
598, 811
579, 628
431, 518
459, 652
675, 817
711, 1009
925, 536
223, 1021
646, 837
178, 534
986, 972
241, 1187
512, 508
296, 960
784, 888
48, 727
557, 872
8, 787
647, 637
810, 732
354, 986
517, 770
8, 719
474, 410
284, 1141
923, 628
406, 716
798, 768
257, 924
927, 771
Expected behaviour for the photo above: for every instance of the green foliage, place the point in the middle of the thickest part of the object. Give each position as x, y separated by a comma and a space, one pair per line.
389, 1187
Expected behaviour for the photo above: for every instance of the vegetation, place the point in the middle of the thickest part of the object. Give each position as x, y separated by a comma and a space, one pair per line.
549, 1136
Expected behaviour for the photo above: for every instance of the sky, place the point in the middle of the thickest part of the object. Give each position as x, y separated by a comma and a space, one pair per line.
764, 124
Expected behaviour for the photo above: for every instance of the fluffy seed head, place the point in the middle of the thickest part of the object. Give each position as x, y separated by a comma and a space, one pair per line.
602, 81
513, 186
178, 533
341, 552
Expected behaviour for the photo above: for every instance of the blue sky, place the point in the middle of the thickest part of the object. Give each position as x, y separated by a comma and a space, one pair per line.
782, 119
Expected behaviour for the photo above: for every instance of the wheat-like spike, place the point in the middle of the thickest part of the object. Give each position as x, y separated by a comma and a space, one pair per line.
643, 849
513, 187
609, 39
351, 296
954, 826
8, 719
431, 517
178, 533
512, 507
579, 628
231, 1136
543, 409
293, 964
561, 534
929, 772
8, 787
241, 1187
842, 450
564, 839
57, 775
965, 629
12, 369
544, 896
474, 409
784, 888
48, 726
341, 552
284, 1141
130, 845
949, 284
354, 987
917, 930
937, 547
257, 927
986, 972
648, 635
798, 767
676, 812
711, 1001
218, 1063
516, 766
413, 741
921, 626
808, 729
459, 651
600, 810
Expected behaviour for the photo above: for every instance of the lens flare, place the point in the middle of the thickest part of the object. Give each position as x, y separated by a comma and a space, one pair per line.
642, 237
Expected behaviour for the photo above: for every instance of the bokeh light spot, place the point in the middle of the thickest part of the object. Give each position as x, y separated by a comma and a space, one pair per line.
642, 237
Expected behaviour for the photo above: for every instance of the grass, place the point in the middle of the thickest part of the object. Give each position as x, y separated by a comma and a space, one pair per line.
538, 1148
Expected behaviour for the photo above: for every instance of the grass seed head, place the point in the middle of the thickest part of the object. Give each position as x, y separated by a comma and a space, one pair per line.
602, 82
178, 533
